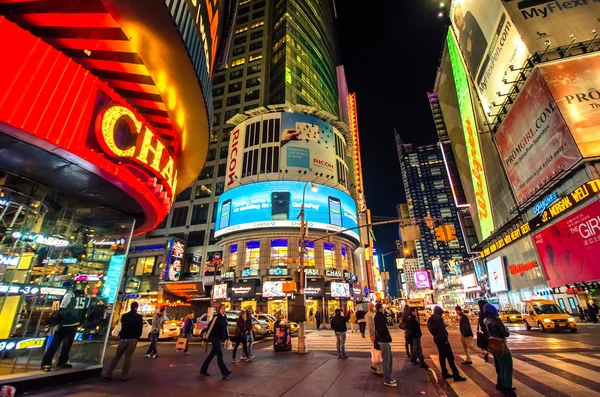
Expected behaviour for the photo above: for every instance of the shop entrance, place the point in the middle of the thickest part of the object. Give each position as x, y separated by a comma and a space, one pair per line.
350, 306
312, 306
331, 306
248, 303
278, 308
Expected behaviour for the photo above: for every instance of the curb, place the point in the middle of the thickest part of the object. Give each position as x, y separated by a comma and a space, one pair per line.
434, 381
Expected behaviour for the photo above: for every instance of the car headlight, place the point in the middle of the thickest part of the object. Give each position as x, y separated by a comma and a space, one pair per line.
571, 320
547, 320
513, 316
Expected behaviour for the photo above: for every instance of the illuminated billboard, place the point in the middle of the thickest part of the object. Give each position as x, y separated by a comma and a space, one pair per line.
277, 204
497, 275
533, 141
422, 279
490, 45
292, 146
478, 179
340, 290
574, 84
219, 291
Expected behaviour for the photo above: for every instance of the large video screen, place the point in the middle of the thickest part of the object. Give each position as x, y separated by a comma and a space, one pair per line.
496, 275
277, 204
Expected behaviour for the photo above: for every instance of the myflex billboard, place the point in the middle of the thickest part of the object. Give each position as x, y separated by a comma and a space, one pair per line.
292, 146
575, 85
539, 21
533, 141
490, 45
478, 178
277, 204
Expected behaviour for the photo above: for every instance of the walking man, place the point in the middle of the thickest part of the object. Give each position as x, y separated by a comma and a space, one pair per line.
437, 328
249, 330
186, 332
384, 339
131, 330
70, 315
318, 319
466, 334
217, 334
413, 336
158, 321
338, 324
370, 330
360, 320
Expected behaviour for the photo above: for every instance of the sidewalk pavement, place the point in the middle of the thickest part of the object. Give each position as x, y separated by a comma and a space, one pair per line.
270, 374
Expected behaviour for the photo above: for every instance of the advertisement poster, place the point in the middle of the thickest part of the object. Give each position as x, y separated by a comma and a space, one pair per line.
570, 249
220, 291
277, 204
541, 20
490, 44
478, 178
497, 275
534, 141
273, 289
422, 279
574, 85
340, 290
290, 145
112, 279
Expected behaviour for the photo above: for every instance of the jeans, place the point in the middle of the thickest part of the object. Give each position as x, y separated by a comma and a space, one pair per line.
216, 350
417, 351
467, 342
250, 343
244, 341
505, 368
66, 335
340, 343
386, 361
445, 352
126, 347
318, 324
153, 343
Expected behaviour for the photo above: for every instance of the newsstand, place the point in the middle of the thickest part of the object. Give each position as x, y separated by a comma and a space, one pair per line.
282, 340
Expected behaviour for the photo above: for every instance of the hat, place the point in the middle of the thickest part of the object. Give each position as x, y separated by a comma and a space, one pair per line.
458, 308
68, 284
490, 309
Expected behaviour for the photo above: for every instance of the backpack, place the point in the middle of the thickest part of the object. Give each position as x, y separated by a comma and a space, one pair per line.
431, 327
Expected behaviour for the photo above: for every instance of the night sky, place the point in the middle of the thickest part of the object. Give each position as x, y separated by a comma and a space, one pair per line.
390, 53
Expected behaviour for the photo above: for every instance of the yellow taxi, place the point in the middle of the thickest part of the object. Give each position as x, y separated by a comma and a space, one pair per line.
269, 319
547, 315
510, 316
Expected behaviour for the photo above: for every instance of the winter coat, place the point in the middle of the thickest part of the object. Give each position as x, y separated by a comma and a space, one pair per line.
465, 326
382, 334
437, 327
338, 323
413, 329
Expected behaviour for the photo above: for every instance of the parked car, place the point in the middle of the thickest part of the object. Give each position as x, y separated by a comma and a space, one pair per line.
201, 325
170, 329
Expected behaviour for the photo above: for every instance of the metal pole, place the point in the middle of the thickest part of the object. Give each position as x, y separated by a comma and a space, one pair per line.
302, 348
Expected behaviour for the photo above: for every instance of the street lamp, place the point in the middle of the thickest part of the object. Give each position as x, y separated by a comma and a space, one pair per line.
302, 348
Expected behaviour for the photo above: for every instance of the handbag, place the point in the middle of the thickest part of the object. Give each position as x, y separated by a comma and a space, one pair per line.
228, 345
182, 343
496, 346
375, 356
482, 339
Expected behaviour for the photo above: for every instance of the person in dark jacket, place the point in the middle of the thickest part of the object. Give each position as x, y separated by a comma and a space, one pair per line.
413, 336
384, 339
187, 331
217, 334
437, 328
240, 336
338, 324
318, 319
360, 320
249, 333
481, 303
131, 330
592, 314
497, 330
403, 323
582, 315
466, 334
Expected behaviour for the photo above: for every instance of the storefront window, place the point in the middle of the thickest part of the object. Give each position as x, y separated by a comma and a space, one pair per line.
58, 247
328, 251
233, 255
279, 252
309, 253
145, 265
345, 258
252, 255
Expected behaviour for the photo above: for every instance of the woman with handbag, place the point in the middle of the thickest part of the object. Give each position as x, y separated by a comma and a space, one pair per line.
240, 336
497, 346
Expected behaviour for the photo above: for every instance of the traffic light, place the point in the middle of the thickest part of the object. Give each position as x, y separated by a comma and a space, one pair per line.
440, 233
450, 233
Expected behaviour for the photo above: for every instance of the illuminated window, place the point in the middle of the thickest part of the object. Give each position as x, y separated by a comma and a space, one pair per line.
254, 57
309, 253
345, 258
233, 255
242, 2
238, 62
145, 265
328, 255
203, 191
257, 24
241, 30
279, 252
252, 255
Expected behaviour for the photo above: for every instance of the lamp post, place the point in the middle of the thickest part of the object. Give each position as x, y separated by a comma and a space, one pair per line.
302, 348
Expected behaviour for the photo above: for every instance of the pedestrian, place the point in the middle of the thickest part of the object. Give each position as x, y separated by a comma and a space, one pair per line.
582, 316
187, 330
158, 322
370, 330
249, 332
338, 324
360, 320
318, 319
241, 336
437, 328
497, 346
403, 323
595, 306
217, 334
592, 314
414, 334
384, 340
311, 314
70, 315
132, 325
352, 320
482, 335
466, 334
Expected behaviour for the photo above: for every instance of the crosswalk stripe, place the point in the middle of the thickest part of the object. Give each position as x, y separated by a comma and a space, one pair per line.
582, 358
567, 367
489, 372
463, 389
556, 382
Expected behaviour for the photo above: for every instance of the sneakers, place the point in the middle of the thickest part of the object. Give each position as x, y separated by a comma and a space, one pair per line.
469, 362
47, 368
249, 358
391, 383
155, 356
235, 360
148, 356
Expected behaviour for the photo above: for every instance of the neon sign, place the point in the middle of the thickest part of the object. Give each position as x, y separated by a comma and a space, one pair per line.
471, 139
160, 162
9, 260
542, 205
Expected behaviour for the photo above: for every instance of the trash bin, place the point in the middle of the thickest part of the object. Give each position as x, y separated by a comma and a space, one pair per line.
282, 341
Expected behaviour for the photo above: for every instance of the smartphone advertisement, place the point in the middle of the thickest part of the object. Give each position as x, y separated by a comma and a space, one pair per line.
277, 204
